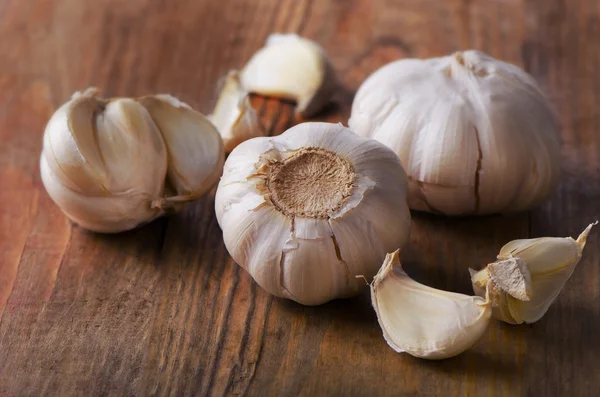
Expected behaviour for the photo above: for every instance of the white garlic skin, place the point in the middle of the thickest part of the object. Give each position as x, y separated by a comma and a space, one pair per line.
474, 134
275, 227
105, 163
195, 154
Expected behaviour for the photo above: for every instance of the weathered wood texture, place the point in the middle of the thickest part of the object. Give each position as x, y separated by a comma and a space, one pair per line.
163, 310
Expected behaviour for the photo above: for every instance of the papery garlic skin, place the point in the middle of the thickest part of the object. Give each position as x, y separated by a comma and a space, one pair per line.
307, 211
291, 67
194, 146
105, 162
550, 262
422, 321
233, 115
474, 134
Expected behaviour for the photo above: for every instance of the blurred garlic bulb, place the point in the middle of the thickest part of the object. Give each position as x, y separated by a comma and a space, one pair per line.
291, 67
233, 116
307, 211
112, 164
475, 135
422, 321
528, 276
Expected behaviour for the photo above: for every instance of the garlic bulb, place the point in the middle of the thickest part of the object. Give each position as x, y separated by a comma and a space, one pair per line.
291, 67
308, 210
233, 116
523, 293
422, 321
474, 134
111, 164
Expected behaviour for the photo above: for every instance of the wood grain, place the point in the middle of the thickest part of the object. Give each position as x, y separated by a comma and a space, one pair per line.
163, 310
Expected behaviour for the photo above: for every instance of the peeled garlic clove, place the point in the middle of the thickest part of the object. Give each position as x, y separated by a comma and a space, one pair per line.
422, 321
233, 116
291, 67
550, 261
306, 211
475, 135
194, 146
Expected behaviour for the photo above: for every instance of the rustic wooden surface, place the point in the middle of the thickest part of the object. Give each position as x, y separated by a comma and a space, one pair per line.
163, 310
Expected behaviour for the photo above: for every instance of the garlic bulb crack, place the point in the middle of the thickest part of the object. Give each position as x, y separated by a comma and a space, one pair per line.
523, 293
474, 134
306, 211
423, 321
112, 164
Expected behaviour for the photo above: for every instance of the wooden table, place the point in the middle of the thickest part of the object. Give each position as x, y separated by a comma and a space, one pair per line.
163, 310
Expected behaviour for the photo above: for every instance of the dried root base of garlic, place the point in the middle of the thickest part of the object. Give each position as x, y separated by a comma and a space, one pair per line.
113, 164
422, 321
287, 67
529, 275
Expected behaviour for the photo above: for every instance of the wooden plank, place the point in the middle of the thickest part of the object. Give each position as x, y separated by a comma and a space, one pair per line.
163, 310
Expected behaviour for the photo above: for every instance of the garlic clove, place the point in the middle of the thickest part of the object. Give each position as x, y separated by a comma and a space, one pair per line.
422, 321
70, 144
194, 146
312, 243
233, 115
291, 67
124, 128
255, 238
105, 214
550, 262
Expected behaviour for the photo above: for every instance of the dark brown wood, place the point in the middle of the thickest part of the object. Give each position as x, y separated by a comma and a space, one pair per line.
163, 310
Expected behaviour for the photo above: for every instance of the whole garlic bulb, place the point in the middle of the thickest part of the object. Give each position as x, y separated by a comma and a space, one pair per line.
475, 135
111, 165
307, 211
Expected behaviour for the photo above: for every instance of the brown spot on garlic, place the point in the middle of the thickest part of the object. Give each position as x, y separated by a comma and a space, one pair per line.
313, 182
